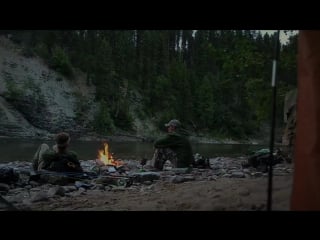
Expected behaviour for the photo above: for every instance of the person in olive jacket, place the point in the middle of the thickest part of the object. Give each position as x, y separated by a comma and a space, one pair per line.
60, 159
175, 147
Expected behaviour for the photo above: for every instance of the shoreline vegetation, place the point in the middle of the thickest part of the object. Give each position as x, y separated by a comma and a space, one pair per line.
214, 81
133, 138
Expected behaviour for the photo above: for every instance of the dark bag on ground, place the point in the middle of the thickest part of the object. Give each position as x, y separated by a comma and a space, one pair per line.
200, 161
261, 159
63, 163
8, 175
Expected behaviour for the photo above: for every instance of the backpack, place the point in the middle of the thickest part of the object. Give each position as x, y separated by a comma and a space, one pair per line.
200, 161
64, 163
8, 175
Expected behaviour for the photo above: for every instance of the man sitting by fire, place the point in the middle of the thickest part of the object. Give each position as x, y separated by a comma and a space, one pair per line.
60, 159
174, 147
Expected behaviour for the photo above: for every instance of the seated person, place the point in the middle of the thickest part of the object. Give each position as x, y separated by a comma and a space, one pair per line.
174, 147
60, 159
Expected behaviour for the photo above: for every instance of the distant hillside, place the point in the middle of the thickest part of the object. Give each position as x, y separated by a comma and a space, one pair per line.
36, 101
130, 82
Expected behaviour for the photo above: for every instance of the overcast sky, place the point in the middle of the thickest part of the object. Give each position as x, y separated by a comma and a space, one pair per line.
283, 36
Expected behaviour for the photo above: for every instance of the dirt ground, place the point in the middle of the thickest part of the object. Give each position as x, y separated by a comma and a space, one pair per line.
223, 194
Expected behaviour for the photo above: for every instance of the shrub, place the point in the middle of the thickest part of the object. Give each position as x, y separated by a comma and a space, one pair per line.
103, 122
60, 62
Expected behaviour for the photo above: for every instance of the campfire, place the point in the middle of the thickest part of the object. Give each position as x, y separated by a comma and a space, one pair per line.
112, 170
106, 158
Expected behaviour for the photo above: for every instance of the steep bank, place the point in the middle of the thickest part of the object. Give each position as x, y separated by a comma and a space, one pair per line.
36, 102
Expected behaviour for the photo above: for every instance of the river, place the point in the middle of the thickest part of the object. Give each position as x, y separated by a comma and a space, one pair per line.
23, 150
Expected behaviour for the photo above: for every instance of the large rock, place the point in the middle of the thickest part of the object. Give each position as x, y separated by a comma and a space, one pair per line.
39, 196
56, 191
145, 176
237, 174
181, 179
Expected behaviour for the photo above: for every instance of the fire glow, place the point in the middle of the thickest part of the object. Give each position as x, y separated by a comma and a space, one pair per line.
106, 158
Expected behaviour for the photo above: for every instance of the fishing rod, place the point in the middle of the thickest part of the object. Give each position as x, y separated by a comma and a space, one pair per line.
273, 117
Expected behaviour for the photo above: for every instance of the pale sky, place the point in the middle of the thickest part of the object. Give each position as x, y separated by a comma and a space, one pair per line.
283, 36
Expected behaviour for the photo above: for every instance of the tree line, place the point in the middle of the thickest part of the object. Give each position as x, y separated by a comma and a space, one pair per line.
215, 81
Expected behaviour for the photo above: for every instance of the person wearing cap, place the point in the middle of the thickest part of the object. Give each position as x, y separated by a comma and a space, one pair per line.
58, 159
174, 147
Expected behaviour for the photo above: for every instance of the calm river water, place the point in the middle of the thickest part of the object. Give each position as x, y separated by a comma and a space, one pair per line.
23, 150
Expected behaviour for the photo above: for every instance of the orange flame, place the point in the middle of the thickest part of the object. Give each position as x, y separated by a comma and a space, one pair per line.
106, 158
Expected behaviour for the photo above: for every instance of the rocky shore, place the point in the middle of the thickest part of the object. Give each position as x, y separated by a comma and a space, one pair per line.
226, 185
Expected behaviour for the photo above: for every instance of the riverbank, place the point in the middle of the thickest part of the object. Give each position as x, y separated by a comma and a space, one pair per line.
193, 139
134, 138
226, 186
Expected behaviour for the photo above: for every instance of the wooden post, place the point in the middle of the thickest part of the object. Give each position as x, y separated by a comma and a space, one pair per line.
306, 179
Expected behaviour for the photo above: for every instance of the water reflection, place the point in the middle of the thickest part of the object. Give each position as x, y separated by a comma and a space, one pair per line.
23, 150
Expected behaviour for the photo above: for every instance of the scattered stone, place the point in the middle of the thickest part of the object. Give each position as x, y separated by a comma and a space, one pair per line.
35, 189
151, 187
56, 180
17, 190
81, 190
288, 170
212, 178
237, 175
118, 189
76, 193
40, 196
257, 174
177, 179
58, 190
111, 180
258, 207
145, 176
27, 191
221, 172
167, 173
244, 193
189, 178
34, 183
217, 196
279, 174
4, 187
226, 175
68, 189
147, 182
99, 187
80, 184
18, 197
219, 208
180, 170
